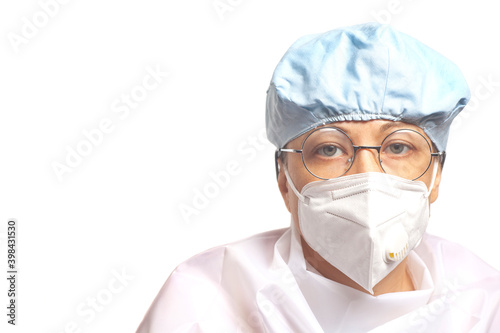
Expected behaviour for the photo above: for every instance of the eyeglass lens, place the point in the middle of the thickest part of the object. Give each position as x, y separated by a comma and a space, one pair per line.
329, 153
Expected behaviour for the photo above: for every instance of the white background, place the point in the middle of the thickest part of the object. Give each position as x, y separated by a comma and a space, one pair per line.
118, 211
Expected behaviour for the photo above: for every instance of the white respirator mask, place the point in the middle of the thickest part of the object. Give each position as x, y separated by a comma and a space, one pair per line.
363, 224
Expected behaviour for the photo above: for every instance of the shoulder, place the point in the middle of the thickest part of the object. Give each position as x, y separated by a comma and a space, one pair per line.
464, 284
257, 246
207, 287
452, 259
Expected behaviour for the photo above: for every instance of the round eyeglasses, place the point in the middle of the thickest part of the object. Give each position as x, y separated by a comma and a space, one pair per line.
328, 153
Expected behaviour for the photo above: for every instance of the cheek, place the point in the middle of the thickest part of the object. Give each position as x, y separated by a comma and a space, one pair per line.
300, 177
427, 177
293, 202
427, 180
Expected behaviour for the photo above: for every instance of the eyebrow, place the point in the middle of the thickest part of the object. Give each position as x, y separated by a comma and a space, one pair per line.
388, 126
383, 128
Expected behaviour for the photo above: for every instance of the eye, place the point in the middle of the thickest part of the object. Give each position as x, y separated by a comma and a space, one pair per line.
329, 151
398, 149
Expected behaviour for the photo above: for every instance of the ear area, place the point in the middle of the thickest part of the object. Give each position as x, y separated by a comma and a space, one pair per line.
283, 183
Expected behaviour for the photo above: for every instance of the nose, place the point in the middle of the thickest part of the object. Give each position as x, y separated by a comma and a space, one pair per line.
365, 160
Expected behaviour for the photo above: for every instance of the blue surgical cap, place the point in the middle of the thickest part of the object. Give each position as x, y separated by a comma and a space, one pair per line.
360, 73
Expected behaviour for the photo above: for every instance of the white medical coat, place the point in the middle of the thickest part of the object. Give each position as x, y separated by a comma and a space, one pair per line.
263, 284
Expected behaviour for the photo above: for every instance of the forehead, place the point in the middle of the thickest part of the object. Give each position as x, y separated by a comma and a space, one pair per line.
363, 132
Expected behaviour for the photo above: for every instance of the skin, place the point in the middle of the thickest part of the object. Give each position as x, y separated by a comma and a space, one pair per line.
368, 133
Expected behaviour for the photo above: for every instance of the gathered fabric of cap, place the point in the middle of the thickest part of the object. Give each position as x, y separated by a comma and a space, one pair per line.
360, 73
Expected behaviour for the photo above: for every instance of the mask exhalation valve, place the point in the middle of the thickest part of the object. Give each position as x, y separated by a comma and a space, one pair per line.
396, 244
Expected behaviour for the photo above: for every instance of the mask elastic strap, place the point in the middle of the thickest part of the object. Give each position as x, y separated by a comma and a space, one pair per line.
434, 173
300, 196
